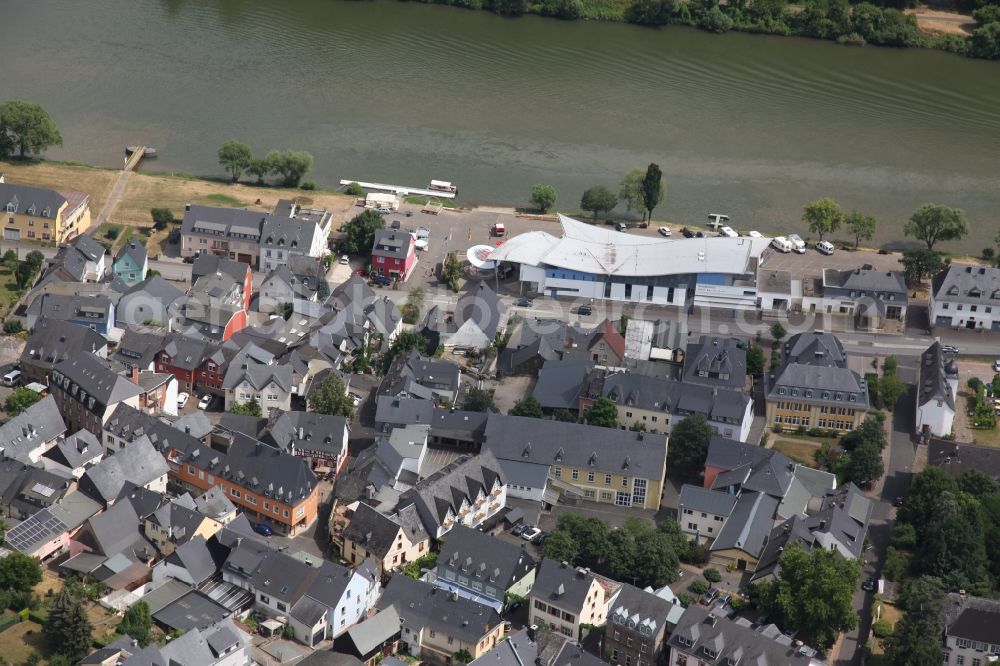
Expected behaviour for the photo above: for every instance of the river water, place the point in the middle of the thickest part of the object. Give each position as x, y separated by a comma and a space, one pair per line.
403, 92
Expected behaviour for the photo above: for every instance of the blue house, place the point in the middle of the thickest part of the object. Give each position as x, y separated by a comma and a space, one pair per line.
131, 263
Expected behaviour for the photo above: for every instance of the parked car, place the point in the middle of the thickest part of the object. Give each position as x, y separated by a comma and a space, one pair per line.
525, 303
869, 585
996, 365
898, 502
664, 231
383, 280
709, 597
344, 260
949, 349
755, 234
699, 234
205, 401
530, 533
540, 539
781, 244
519, 529
687, 233
355, 399
182, 399
190, 260
395, 224
825, 247
585, 310
262, 528
798, 244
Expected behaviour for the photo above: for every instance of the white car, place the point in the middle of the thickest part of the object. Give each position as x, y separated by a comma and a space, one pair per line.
755, 234
530, 534
205, 401
825, 247
182, 399
996, 365
355, 399
344, 260
664, 231
798, 244
728, 232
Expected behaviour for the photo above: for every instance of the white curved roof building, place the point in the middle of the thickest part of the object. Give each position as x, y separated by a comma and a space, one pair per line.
596, 262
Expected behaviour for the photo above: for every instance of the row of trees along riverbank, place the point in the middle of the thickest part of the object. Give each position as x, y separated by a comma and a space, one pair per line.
881, 23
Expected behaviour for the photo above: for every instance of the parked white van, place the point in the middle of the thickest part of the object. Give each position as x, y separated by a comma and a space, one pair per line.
12, 378
728, 232
781, 244
798, 244
825, 247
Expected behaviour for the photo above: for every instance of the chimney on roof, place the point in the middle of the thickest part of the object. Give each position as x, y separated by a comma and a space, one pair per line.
135, 374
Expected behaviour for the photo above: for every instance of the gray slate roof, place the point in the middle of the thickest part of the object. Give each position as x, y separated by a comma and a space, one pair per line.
480, 305
26, 200
968, 284
308, 431
138, 462
562, 584
866, 280
446, 489
549, 443
376, 630
749, 526
95, 307
373, 530
391, 243
972, 618
732, 640
814, 370
134, 250
94, 377
39, 423
216, 221
717, 361
257, 374
52, 341
935, 371
561, 382
423, 604
484, 557
714, 502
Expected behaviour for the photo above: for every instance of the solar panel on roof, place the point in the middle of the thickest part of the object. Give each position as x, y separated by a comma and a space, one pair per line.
42, 490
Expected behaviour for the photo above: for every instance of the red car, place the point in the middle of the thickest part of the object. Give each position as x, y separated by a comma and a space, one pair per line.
360, 272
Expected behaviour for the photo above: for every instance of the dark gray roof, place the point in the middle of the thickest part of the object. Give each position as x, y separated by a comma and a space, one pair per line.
26, 432
749, 525
248, 425
436, 376
135, 250
372, 530
575, 445
480, 305
290, 233
814, 370
968, 284
74, 257
376, 630
308, 431
715, 360
196, 558
117, 530
561, 382
866, 280
445, 490
93, 376
971, 618
214, 221
138, 349
750, 467
307, 611
423, 604
76, 450
714, 502
209, 264
327, 658
935, 371
636, 608
392, 243
391, 411
562, 584
33, 201
138, 462
330, 583
52, 341
193, 610
697, 629
130, 424
93, 307
484, 557
258, 375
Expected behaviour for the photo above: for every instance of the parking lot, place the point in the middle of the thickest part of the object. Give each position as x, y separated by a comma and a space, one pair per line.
812, 263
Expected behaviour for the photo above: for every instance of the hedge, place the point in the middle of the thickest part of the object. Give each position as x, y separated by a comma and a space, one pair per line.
8, 622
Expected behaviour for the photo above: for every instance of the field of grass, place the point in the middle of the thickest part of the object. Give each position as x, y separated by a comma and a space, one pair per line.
800, 451
986, 437
19, 641
60, 176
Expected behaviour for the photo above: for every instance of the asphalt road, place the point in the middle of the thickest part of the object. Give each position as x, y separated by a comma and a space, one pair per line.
899, 470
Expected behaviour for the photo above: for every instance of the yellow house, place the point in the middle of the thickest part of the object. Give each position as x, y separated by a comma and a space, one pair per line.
176, 523
47, 216
392, 541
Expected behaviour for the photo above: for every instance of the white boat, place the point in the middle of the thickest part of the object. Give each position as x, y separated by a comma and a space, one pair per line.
442, 186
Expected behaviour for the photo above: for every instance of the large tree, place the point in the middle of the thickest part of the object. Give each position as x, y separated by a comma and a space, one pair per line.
331, 398
932, 223
136, 622
27, 128
916, 638
924, 496
861, 226
689, 444
19, 572
19, 400
653, 189
402, 344
823, 216
952, 544
543, 197
361, 230
603, 412
891, 388
291, 165
864, 464
630, 189
67, 629
814, 592
479, 400
527, 406
235, 157
598, 199
655, 559
919, 263
561, 547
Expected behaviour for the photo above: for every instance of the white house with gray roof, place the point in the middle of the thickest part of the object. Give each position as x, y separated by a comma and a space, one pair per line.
966, 297
270, 385
292, 231
937, 393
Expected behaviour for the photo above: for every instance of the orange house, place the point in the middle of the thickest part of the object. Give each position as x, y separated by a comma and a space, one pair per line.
270, 486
